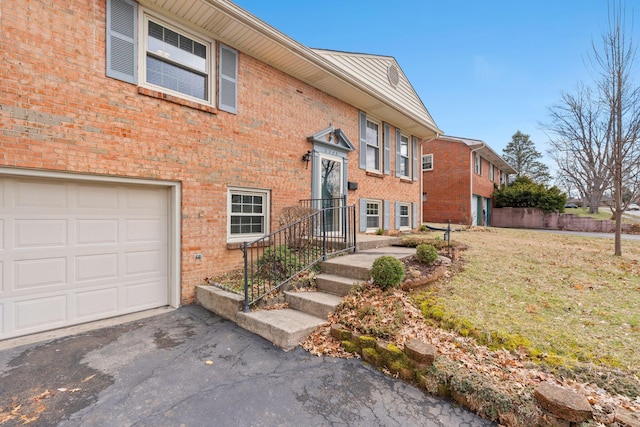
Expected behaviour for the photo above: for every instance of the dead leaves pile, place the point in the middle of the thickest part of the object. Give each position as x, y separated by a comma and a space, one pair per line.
509, 372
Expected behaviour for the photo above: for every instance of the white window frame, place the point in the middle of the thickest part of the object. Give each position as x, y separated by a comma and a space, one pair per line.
477, 164
427, 156
379, 148
406, 158
407, 216
491, 172
210, 71
379, 216
266, 209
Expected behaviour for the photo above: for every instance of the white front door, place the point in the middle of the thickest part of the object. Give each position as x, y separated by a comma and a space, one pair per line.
330, 176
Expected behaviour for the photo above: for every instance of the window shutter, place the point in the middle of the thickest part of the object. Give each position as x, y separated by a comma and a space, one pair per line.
397, 215
387, 213
362, 155
387, 149
363, 215
122, 40
228, 80
414, 150
398, 157
415, 214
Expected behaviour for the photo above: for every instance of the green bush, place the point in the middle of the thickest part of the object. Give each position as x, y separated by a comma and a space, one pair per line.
278, 263
524, 193
387, 272
426, 254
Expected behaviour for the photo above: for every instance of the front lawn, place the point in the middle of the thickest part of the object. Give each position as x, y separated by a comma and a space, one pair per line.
565, 300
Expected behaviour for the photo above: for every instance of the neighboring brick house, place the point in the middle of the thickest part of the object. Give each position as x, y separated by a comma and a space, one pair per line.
459, 176
142, 141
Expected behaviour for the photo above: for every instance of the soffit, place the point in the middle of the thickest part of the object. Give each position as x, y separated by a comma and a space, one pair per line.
332, 74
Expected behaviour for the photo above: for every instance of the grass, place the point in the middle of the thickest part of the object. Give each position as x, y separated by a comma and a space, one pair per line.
565, 299
603, 213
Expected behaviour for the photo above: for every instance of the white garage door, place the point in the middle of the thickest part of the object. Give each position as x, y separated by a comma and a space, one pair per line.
73, 252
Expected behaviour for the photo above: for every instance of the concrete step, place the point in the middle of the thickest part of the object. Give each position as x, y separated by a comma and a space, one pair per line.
318, 304
284, 328
336, 285
358, 266
375, 242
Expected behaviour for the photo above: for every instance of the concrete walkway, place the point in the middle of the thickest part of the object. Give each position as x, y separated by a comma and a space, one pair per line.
154, 372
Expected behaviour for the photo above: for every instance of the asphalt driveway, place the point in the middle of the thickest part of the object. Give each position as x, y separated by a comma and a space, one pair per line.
190, 368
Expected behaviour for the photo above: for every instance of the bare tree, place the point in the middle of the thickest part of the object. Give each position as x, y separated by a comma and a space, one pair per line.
577, 135
614, 61
595, 134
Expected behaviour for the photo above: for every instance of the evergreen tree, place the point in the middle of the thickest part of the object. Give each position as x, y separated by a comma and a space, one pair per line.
521, 153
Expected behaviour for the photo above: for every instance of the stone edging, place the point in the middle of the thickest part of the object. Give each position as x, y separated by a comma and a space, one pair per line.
552, 406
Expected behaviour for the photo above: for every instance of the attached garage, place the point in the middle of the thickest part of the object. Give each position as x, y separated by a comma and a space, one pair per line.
78, 250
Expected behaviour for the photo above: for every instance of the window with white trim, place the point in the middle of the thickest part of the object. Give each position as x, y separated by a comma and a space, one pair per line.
491, 172
477, 164
405, 215
248, 214
373, 215
405, 157
176, 61
427, 162
373, 146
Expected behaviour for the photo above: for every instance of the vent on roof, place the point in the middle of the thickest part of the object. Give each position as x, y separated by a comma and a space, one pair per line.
394, 75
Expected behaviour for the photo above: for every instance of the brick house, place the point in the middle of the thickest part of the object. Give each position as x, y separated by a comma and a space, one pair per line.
143, 141
459, 176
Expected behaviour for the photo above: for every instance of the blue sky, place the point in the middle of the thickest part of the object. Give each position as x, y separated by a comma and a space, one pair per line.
484, 69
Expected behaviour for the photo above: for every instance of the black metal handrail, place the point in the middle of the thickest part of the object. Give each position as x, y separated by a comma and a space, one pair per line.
274, 260
335, 202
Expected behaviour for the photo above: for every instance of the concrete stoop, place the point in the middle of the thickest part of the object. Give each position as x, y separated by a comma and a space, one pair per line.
286, 328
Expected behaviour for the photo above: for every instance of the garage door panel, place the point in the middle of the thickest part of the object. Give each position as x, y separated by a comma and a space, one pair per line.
94, 267
37, 233
96, 303
143, 230
34, 273
38, 312
73, 251
96, 197
142, 295
144, 199
96, 231
40, 194
142, 262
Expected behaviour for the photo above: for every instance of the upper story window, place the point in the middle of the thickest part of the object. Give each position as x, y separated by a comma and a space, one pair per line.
148, 50
405, 157
477, 164
373, 145
427, 162
176, 61
491, 172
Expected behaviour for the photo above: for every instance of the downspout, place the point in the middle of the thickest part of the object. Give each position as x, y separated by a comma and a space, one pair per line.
437, 135
472, 170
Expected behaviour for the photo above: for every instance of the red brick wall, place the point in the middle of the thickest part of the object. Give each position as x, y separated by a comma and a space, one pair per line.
447, 186
482, 185
60, 112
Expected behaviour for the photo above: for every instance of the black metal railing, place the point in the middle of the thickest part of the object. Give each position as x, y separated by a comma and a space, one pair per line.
274, 260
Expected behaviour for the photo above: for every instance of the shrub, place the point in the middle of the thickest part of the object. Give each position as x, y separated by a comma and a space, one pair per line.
524, 193
387, 272
426, 254
278, 263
